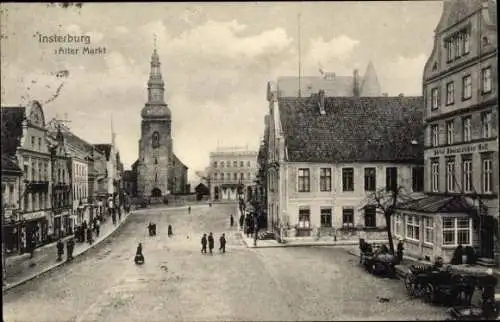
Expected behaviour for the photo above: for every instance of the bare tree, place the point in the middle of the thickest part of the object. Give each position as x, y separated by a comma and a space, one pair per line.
386, 202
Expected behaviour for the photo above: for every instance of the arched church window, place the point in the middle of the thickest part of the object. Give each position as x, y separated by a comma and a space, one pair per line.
156, 140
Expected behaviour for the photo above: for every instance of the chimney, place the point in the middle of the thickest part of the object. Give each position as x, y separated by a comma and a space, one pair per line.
321, 102
355, 89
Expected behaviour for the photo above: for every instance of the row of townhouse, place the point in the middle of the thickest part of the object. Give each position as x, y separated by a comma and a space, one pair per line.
51, 179
461, 140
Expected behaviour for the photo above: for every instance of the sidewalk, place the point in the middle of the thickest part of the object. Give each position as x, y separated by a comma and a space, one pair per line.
20, 269
298, 242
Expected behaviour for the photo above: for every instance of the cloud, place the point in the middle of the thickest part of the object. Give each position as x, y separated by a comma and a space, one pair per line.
338, 48
403, 75
224, 39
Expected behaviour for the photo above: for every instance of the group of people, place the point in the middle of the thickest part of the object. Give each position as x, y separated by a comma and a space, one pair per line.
85, 231
210, 241
152, 230
70, 246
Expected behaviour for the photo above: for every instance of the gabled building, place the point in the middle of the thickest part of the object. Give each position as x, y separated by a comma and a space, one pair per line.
326, 155
24, 139
460, 86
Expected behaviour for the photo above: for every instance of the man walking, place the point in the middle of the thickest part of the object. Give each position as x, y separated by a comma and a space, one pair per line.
204, 244
70, 246
231, 219
222, 243
97, 228
210, 242
60, 250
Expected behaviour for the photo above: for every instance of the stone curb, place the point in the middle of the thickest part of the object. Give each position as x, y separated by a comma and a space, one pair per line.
59, 264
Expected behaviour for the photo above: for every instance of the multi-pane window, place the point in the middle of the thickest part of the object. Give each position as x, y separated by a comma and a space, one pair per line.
466, 41
40, 144
304, 218
249, 176
435, 175
487, 175
304, 183
215, 164
467, 87
235, 176
325, 179
235, 164
434, 98
391, 178
486, 80
457, 231
370, 179
248, 163
39, 177
450, 93
347, 217
33, 144
450, 175
242, 176
413, 227
467, 175
370, 216
458, 44
486, 124
466, 127
435, 135
222, 164
216, 176
429, 230
347, 179
242, 164
450, 132
417, 178
326, 217
222, 176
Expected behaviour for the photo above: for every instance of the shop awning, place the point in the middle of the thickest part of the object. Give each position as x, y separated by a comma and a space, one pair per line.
440, 204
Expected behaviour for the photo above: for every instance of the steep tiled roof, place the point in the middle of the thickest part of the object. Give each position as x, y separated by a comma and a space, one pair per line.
365, 129
12, 128
104, 148
438, 204
370, 85
9, 165
178, 162
75, 141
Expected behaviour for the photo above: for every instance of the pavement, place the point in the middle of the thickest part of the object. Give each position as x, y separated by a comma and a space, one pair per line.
178, 283
21, 269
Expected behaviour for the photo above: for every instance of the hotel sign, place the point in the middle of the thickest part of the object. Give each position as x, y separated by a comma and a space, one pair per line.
462, 149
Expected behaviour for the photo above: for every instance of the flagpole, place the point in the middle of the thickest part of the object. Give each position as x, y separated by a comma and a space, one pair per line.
299, 54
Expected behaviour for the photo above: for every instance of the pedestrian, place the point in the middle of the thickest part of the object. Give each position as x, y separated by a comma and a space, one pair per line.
113, 216
170, 232
60, 250
399, 251
89, 236
70, 246
189, 209
231, 220
32, 245
210, 242
242, 218
204, 244
119, 213
97, 229
222, 243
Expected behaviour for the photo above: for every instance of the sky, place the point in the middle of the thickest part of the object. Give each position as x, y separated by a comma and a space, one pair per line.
216, 60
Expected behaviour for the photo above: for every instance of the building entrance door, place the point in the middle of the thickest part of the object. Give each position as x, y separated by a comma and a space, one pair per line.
156, 192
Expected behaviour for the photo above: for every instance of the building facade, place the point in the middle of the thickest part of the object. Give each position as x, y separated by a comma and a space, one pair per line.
25, 137
61, 186
155, 165
232, 172
11, 181
461, 138
326, 157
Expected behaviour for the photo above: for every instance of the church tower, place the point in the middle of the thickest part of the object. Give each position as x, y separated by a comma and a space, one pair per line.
155, 144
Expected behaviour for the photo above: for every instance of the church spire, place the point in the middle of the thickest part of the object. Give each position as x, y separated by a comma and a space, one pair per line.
156, 86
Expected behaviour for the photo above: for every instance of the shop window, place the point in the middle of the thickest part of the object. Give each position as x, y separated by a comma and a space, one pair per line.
457, 231
413, 227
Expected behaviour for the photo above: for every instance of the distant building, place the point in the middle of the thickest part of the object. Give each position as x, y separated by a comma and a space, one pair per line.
460, 87
333, 85
232, 173
327, 155
159, 171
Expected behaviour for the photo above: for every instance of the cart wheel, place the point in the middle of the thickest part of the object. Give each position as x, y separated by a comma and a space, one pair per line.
430, 294
410, 284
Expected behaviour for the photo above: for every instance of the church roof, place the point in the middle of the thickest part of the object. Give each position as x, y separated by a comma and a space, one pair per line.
365, 129
370, 87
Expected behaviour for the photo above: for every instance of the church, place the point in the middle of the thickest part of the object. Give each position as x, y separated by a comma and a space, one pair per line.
158, 172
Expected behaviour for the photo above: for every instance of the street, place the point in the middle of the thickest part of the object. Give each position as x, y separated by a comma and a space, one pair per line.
178, 283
